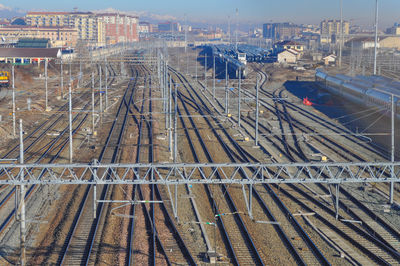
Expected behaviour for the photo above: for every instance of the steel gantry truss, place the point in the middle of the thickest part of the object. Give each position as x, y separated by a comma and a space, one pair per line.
202, 173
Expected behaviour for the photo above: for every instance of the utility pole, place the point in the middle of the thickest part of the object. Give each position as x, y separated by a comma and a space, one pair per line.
80, 73
196, 67
13, 98
205, 72
70, 124
62, 79
257, 114
237, 28
240, 81
46, 62
175, 124
70, 68
92, 104
392, 153
214, 76
106, 75
226, 88
22, 198
229, 29
170, 114
100, 91
186, 26
376, 36
341, 34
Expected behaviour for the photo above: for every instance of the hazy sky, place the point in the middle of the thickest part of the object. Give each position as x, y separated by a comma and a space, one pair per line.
256, 11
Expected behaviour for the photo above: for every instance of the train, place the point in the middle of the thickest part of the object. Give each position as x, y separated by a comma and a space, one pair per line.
224, 54
4, 79
370, 91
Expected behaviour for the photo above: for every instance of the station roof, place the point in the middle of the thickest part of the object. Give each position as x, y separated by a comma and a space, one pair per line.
32, 43
30, 52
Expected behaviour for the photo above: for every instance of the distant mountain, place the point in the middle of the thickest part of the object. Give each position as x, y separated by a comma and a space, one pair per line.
143, 15
8, 12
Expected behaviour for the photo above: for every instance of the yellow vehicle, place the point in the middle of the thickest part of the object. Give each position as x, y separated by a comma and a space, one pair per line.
4, 78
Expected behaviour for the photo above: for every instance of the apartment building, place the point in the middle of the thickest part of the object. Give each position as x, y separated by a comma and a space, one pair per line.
89, 27
281, 31
330, 30
119, 27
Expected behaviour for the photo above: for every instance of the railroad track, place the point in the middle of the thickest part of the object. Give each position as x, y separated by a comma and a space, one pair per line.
79, 243
378, 246
296, 148
295, 229
178, 252
54, 146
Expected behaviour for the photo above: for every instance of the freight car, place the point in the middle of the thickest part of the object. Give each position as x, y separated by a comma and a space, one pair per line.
373, 91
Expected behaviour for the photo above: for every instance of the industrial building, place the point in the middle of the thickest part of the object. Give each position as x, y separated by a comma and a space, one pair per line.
362, 43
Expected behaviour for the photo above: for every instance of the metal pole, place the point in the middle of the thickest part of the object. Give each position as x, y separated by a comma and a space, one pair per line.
237, 28
22, 197
196, 67
257, 113
100, 90
94, 199
239, 94
226, 87
13, 99
214, 77
205, 72
175, 124
92, 104
341, 34
391, 200
62, 79
376, 36
70, 124
80, 73
166, 99
176, 201
337, 201
45, 78
106, 75
251, 201
170, 115
70, 69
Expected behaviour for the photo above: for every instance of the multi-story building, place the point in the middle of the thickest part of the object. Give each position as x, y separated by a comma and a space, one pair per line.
144, 27
169, 27
281, 31
89, 27
119, 27
59, 36
330, 30
395, 30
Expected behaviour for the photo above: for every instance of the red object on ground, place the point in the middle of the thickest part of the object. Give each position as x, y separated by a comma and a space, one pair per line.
307, 102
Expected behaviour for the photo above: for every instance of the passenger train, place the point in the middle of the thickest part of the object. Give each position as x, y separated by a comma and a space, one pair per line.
366, 90
4, 79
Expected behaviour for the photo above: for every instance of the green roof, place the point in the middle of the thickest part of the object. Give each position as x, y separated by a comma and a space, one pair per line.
32, 43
